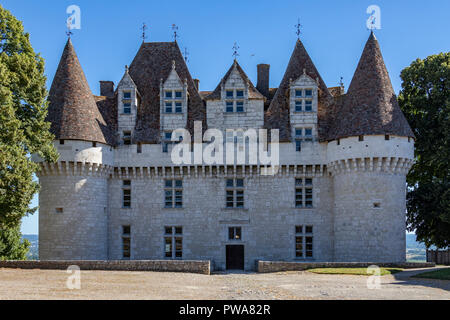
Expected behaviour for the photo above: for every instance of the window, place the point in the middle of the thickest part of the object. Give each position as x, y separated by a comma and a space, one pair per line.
173, 193
126, 95
304, 193
298, 105
305, 103
127, 137
127, 107
167, 141
126, 194
139, 148
126, 242
234, 101
302, 134
298, 139
61, 141
386, 137
172, 101
303, 242
360, 138
235, 193
173, 242
59, 210
234, 233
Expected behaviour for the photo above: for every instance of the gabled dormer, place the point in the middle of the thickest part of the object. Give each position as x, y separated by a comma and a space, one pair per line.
174, 101
128, 99
235, 103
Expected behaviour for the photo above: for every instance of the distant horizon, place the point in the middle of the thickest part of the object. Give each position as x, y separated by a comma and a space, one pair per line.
334, 34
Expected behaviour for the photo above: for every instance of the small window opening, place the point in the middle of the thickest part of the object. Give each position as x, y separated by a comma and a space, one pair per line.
387, 137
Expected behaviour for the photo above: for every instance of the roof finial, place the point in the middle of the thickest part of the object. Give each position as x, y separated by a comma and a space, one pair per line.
185, 53
304, 71
173, 64
126, 68
298, 27
174, 29
144, 28
235, 51
69, 27
341, 82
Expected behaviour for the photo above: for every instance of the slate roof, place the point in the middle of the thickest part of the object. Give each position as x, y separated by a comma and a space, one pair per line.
253, 93
277, 115
72, 110
370, 106
151, 65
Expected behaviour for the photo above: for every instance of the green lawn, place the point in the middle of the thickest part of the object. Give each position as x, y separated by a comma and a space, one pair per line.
355, 271
443, 274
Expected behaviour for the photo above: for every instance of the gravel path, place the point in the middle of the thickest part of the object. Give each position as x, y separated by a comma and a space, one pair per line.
51, 284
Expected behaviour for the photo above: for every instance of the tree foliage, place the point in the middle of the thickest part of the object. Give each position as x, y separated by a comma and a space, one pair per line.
425, 101
23, 129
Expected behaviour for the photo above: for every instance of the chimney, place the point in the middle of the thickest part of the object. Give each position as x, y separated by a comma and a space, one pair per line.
197, 83
263, 79
107, 88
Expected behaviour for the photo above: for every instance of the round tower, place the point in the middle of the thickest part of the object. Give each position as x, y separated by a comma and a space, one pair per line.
370, 151
73, 206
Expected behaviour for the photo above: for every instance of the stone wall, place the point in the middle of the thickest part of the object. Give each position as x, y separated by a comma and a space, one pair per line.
202, 267
279, 266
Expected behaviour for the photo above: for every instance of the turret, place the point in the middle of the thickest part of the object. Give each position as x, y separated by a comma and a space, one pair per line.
370, 150
73, 197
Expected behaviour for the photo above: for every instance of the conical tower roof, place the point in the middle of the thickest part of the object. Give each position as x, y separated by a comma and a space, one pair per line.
277, 115
72, 111
370, 106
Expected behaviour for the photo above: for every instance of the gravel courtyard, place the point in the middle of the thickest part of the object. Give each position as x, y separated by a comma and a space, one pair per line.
51, 284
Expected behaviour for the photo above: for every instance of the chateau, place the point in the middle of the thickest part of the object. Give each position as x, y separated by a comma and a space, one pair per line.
338, 193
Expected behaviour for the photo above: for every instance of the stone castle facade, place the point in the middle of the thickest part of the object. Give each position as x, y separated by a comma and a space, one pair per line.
115, 193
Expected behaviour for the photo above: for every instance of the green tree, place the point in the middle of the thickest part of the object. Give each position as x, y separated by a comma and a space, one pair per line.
425, 101
23, 130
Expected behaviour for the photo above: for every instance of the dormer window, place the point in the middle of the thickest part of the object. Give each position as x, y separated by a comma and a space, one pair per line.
173, 102
127, 107
234, 101
303, 100
127, 95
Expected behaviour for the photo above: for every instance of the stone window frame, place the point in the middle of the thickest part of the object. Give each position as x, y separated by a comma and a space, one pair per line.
234, 233
304, 193
173, 236
126, 242
126, 102
304, 242
302, 99
175, 188
173, 100
302, 137
234, 100
235, 193
126, 194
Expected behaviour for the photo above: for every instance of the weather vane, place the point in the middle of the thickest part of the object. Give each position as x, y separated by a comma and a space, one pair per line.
298, 27
185, 53
144, 28
69, 27
175, 35
235, 51
341, 82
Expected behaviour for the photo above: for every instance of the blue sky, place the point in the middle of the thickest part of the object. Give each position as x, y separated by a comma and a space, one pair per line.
333, 32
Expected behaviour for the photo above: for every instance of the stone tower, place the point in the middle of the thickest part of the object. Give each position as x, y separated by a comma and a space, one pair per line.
73, 199
370, 151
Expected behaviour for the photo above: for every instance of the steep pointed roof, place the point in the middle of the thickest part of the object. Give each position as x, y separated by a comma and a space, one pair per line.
72, 111
277, 115
151, 66
253, 93
370, 106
